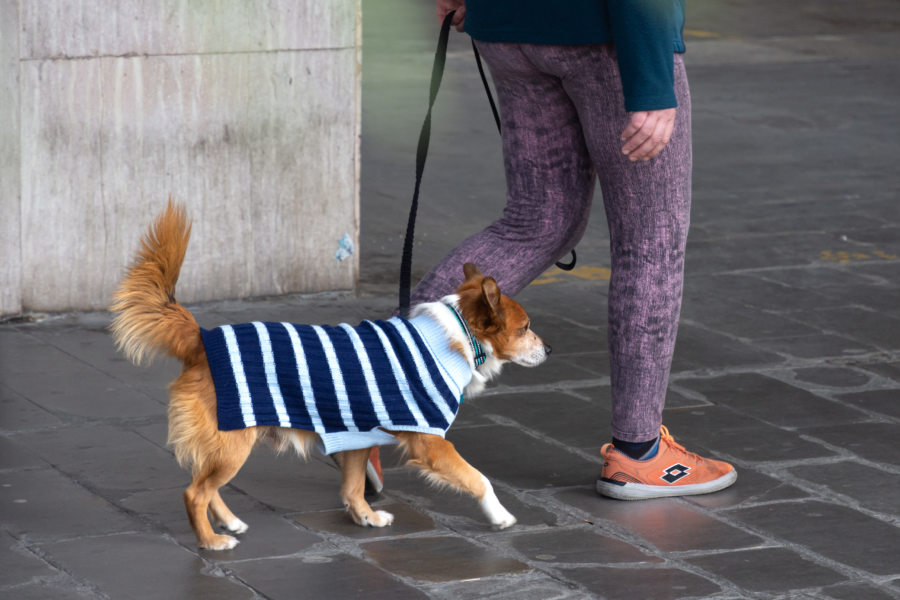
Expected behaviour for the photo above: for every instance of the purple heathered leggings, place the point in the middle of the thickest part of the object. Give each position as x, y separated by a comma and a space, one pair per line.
562, 114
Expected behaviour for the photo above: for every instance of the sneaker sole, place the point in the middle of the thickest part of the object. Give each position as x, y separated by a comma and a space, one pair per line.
374, 484
641, 491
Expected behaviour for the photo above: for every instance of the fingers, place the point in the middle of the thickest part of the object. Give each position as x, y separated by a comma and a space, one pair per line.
647, 133
445, 6
459, 18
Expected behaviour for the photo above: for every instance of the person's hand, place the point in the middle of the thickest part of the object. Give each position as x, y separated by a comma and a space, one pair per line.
445, 6
647, 133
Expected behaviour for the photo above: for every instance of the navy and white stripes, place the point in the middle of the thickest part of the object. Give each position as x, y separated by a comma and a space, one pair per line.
340, 381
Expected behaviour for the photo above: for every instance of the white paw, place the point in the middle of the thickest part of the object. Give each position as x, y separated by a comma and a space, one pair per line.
221, 542
379, 518
236, 526
498, 516
505, 520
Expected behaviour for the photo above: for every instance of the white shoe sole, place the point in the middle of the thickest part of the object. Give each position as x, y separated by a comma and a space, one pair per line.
641, 491
375, 484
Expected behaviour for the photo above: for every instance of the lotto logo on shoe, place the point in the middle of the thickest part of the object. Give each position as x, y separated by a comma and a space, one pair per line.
674, 473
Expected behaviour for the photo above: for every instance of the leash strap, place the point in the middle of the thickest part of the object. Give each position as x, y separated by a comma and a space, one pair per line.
437, 74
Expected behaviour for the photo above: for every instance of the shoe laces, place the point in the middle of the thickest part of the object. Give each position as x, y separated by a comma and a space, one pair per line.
670, 440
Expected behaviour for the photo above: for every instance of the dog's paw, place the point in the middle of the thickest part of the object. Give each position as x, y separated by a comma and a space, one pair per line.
499, 517
235, 526
379, 518
220, 542
503, 521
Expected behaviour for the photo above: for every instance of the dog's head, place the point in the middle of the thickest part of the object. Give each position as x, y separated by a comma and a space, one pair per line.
499, 322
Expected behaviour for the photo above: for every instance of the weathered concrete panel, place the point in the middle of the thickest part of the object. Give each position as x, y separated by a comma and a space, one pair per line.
10, 255
83, 28
261, 147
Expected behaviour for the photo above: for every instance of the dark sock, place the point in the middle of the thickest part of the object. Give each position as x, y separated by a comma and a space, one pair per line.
635, 450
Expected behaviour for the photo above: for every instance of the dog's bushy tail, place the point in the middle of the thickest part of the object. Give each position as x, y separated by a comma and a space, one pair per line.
148, 319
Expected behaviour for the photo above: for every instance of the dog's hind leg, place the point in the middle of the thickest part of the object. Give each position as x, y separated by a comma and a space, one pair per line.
217, 470
443, 465
353, 467
223, 516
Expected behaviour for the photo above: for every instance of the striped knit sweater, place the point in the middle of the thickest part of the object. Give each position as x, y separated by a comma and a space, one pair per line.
342, 382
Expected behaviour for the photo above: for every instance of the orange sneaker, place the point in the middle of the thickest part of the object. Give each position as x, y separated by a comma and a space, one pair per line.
672, 472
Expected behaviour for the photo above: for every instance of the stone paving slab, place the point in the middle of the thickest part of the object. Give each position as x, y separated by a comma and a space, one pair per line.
323, 576
787, 364
143, 566
767, 570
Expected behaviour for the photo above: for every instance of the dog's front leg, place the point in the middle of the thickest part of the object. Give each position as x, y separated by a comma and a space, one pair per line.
444, 466
353, 488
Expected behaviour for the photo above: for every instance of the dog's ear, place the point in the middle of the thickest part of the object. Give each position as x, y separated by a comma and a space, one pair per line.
490, 293
470, 271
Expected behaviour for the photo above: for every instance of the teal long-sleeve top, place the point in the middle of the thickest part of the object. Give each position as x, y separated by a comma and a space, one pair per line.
645, 33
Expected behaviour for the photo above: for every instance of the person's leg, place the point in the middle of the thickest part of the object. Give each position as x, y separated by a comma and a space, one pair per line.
549, 177
647, 207
648, 212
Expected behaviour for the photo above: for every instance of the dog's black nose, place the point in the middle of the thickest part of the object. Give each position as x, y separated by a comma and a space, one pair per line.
547, 349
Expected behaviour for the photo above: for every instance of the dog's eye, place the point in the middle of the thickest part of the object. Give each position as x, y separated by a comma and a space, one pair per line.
524, 330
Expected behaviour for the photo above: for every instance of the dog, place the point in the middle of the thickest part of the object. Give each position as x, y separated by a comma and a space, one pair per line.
227, 397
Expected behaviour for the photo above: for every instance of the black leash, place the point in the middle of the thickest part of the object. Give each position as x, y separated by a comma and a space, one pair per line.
437, 74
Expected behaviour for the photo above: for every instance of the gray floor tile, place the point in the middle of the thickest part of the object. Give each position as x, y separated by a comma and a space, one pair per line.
562, 368
325, 576
523, 586
58, 589
584, 545
32, 502
20, 566
457, 506
407, 520
143, 566
694, 350
817, 345
751, 487
269, 533
50, 381
835, 377
569, 420
872, 441
872, 488
438, 559
783, 569
657, 583
774, 402
856, 591
494, 451
17, 413
836, 532
288, 483
866, 326
669, 524
717, 308
14, 456
716, 430
885, 369
886, 402
107, 457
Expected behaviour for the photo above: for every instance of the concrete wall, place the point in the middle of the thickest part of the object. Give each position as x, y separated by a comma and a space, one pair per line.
247, 111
